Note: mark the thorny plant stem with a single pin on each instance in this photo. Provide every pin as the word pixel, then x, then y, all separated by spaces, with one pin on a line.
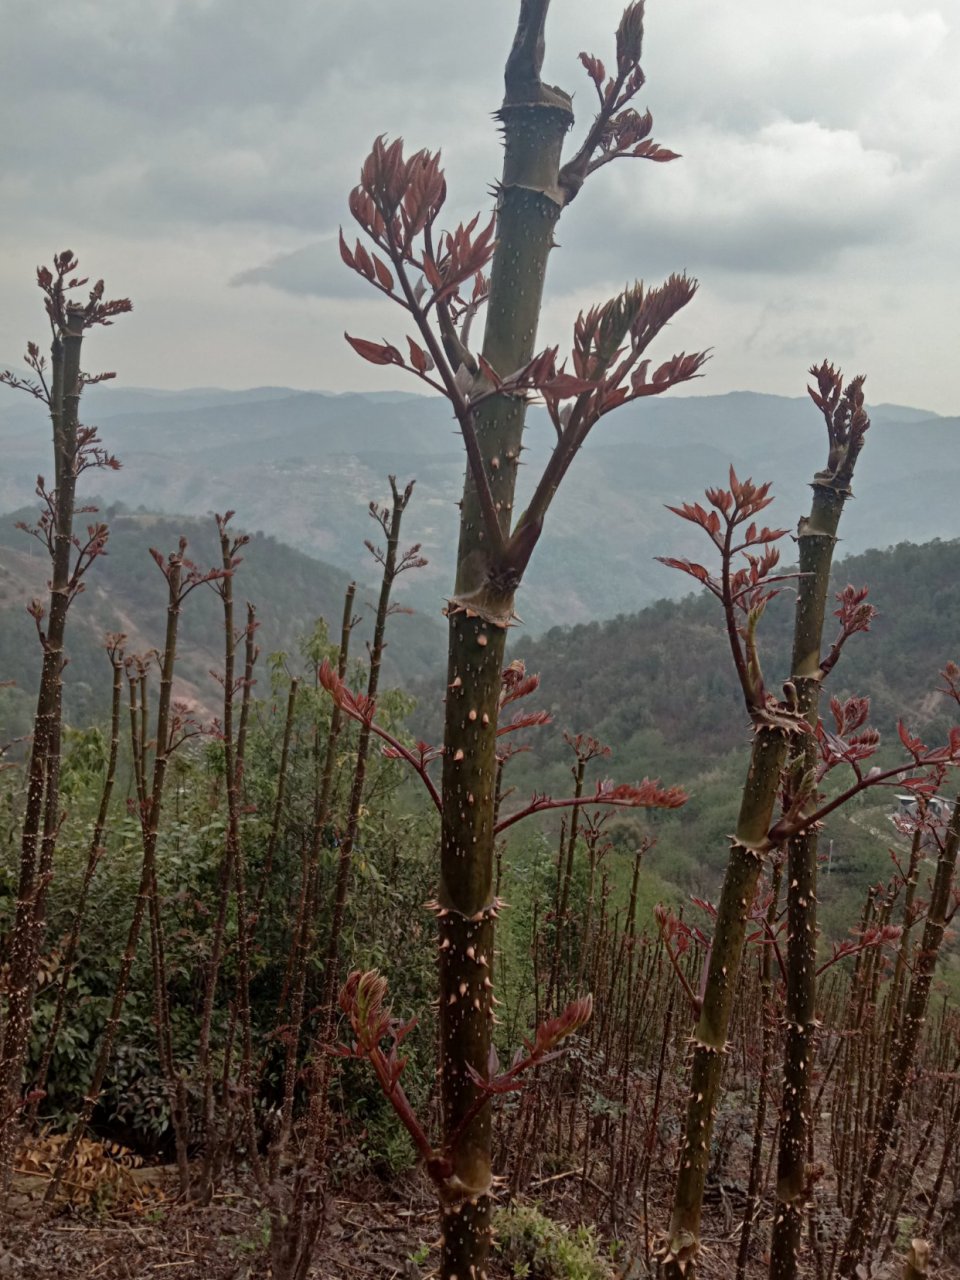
pixel 280 795
pixel 319 1104
pixel 176 1086
pixel 768 1034
pixel 535 121
pixel 565 864
pixel 150 809
pixel 816 540
pixel 94 855
pixel 494 548
pixel 914 1014
pixel 205 1066
pixel 43 766
pixel 303 1218
pixel 895 995
pixel 246 1082
pixel 305 925
pixel 949 1148
pixel 751 844
pixel 391 565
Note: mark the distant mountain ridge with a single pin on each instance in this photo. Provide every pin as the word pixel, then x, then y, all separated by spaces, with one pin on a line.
pixel 302 466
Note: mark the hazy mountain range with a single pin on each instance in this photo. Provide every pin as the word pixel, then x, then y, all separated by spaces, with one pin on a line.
pixel 302 466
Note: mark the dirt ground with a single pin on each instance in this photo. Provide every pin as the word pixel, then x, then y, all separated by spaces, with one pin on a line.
pixel 371 1234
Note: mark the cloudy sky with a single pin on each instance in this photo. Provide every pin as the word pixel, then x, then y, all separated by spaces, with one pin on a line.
pixel 198 153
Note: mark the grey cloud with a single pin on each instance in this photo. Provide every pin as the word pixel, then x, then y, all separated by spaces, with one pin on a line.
pixel 233 122
pixel 316 270
pixel 786 220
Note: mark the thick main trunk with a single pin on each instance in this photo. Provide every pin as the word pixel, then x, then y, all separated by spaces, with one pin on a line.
pixel 535 120
pixel 816 541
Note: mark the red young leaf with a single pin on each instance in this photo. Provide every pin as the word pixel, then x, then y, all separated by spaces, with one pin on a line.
pixel 687 566
pixel 383 273
pixel 375 352
pixel 594 68
pixel 418 357
pixel 364 261
pixel 345 253
pixel 649 150
pixel 525 720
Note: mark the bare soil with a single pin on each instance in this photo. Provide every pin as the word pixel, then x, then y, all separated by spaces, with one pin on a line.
pixel 372 1233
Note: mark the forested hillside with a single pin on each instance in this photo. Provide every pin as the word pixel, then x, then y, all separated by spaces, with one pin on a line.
pixel 126 593
pixel 660 689
pixel 659 684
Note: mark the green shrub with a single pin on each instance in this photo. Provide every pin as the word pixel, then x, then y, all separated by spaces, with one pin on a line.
pixel 536 1248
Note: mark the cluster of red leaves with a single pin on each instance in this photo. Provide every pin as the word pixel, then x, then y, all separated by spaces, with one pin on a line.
pixel 863 940
pixel 397 203
pixel 66 313
pixel 677 936
pixel 846 417
pixel 424 752
pixel 849 743
pixel 355 705
pixel 543 1048
pixel 630 38
pixel 647 794
pixel 191 576
pixel 585 747
pixel 539 376
pixel 91 453
pixel 398 200
pixel 462 257
pixel 951 681
pixel 362 999
pixel 524 720
pixel 748 586
pixel 46 532
pixel 844 744
pixel 855 614
pixel 38 363
pixel 924 757
pixel 88 452
pixel 516 683
pixel 618 132
pixel 608 343
pixel 745 589
pixel 363 709
pixel 550 1033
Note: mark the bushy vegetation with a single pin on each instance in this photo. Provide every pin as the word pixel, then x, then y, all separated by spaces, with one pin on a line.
pixel 535 1248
